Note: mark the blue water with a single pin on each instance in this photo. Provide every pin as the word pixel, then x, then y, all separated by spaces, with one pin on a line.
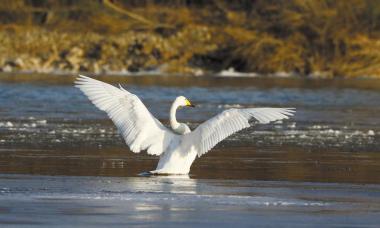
pixel 63 163
pixel 336 117
pixel 182 201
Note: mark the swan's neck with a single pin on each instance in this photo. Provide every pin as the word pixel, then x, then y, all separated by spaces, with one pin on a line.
pixel 173 121
pixel 179 128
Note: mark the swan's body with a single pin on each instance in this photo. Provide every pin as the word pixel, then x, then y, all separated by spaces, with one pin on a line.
pixel 179 146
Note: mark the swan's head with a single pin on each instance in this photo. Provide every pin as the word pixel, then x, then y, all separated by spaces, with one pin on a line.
pixel 182 101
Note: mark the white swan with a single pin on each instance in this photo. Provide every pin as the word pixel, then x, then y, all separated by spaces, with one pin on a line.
pixel 179 146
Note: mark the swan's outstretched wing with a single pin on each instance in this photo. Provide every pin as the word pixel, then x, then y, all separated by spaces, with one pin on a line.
pixel 214 130
pixel 139 128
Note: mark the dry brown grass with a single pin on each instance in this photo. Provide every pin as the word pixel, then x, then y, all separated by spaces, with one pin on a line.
pixel 337 38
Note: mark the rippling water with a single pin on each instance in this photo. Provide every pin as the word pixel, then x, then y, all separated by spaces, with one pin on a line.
pixel 323 164
pixel 173 202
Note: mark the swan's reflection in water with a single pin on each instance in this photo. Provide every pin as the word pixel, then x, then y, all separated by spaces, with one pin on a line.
pixel 169 203
pixel 170 184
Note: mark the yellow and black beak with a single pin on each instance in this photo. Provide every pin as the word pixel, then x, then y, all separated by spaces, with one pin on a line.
pixel 189 104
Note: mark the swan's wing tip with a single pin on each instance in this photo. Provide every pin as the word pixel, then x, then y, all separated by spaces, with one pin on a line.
pixel 81 76
pixel 81 79
pixel 291 111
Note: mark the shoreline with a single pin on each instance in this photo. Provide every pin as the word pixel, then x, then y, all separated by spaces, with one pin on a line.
pixel 210 80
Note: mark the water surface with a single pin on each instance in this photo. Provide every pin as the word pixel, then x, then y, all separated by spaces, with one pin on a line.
pixel 61 157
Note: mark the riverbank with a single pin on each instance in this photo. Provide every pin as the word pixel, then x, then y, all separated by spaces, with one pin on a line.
pixel 307 39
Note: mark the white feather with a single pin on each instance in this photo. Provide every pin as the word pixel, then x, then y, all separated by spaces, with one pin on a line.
pixel 179 146
pixel 214 130
pixel 140 130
